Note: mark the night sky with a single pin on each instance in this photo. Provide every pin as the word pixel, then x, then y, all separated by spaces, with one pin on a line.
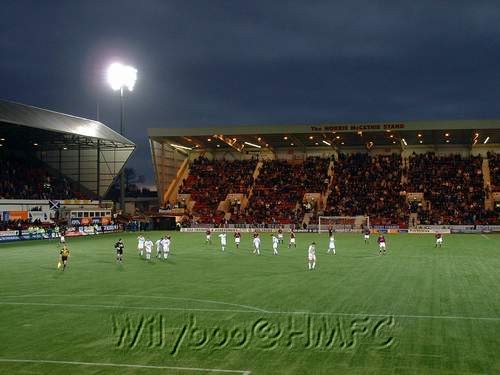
pixel 253 62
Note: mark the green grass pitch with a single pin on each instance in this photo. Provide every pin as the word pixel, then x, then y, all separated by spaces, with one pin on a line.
pixel 416 310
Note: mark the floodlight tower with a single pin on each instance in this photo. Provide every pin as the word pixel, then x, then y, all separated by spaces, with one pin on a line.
pixel 119 77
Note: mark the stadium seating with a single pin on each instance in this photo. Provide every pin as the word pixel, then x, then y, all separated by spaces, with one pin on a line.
pixel 26 178
pixel 452 185
pixel 368 185
pixel 494 161
pixel 280 187
pixel 209 182
pixel 362 184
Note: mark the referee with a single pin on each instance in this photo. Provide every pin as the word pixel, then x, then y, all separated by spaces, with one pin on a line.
pixel 119 250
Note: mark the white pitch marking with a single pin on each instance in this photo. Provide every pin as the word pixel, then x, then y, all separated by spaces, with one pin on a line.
pixel 485 236
pixel 7 360
pixel 494 319
pixel 157 297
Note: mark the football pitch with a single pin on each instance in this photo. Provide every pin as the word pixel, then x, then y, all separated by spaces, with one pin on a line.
pixel 416 310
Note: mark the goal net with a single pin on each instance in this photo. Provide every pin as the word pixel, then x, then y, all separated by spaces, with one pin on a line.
pixel 343 223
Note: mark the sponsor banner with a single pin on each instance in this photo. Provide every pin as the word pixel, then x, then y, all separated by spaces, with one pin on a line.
pixel 11 235
pixel 437 227
pixel 453 230
pixel 18 215
pixel 86 221
pixel 230 230
pixel 90 231
pixel 42 216
pixel 5 233
pixel 488 228
pixel 74 222
pixel 385 227
pixel 428 230
pixel 263 230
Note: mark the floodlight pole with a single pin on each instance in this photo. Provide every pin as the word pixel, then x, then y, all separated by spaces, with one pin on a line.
pixel 122 175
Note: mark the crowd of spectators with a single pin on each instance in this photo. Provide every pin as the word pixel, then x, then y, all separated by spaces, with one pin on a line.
pixel 452 185
pixel 210 181
pixel 494 161
pixel 362 184
pixel 279 189
pixel 22 178
pixel 368 185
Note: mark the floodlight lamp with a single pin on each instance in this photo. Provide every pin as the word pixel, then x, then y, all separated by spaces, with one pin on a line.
pixel 120 76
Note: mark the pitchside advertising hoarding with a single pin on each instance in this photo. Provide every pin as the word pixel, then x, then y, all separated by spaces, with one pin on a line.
pixel 84 221
pixel 13 235
pixel 79 231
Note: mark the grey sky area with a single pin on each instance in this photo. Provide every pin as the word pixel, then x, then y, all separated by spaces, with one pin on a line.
pixel 207 63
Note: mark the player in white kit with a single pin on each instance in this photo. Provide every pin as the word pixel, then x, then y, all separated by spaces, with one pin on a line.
pixel 331 245
pixel 256 244
pixel 159 248
pixel 237 239
pixel 276 240
pixel 140 244
pixel 149 248
pixel 223 239
pixel 208 237
pixel 280 236
pixel 166 247
pixel 439 239
pixel 311 256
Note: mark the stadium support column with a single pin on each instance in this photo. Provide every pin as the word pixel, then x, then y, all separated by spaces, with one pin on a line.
pixel 122 175
pixel 119 77
pixel 98 170
pixel 79 166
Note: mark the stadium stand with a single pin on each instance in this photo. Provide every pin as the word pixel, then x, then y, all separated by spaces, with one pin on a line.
pixel 368 185
pixel 494 163
pixel 452 186
pixel 210 181
pixel 279 190
pixel 384 170
pixel 361 184
pixel 22 177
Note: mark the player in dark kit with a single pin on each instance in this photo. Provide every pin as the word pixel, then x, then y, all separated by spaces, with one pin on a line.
pixel 209 237
pixel 330 231
pixel 119 250
pixel 381 244
pixel 366 234
pixel 292 239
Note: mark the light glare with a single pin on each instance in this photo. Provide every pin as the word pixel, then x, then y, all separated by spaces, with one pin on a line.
pixel 252 144
pixel 120 76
